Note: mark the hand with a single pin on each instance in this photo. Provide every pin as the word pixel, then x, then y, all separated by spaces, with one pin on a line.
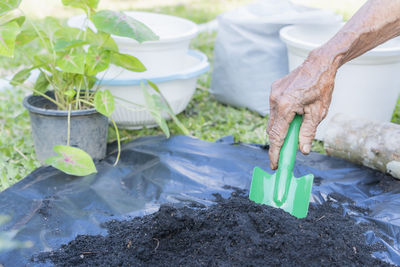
pixel 307 91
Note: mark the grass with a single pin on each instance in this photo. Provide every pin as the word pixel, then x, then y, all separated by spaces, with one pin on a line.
pixel 205 118
pixel 17 157
pixel 396 113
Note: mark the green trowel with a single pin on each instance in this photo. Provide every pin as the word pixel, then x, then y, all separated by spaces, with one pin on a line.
pixel 282 189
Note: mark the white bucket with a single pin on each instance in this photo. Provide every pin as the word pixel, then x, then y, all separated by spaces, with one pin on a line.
pixel 159 57
pixel 176 87
pixel 367 86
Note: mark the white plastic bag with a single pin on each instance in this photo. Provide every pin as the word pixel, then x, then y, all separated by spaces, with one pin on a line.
pixel 248 54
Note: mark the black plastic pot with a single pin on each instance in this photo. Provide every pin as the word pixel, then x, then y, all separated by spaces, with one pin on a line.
pixel 50 127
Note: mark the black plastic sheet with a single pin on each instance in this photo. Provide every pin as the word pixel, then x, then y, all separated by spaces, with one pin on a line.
pixel 50 208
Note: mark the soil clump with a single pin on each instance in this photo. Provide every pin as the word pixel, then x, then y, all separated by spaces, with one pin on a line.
pixel 233 232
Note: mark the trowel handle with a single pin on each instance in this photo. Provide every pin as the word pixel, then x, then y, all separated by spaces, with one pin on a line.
pixel 287 155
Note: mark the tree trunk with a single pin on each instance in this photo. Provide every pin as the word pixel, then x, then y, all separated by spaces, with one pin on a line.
pixel 372 144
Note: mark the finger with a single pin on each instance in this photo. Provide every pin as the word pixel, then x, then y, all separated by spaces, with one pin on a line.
pixel 277 136
pixel 313 115
pixel 271 119
pixel 273 98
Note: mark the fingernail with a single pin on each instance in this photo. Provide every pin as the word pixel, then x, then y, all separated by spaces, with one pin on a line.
pixel 273 166
pixel 306 148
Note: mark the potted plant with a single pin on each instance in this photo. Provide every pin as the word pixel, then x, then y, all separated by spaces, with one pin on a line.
pixel 69 111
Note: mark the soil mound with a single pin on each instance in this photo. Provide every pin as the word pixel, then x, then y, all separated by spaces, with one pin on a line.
pixel 234 232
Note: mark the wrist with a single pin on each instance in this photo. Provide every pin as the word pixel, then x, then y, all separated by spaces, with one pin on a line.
pixel 327 57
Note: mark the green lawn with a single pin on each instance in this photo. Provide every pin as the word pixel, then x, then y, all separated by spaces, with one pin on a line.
pixel 204 117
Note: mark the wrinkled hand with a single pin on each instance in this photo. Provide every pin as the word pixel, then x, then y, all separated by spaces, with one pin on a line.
pixel 307 91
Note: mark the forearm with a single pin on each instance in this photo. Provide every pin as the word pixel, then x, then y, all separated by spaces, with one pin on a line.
pixel 307 90
pixel 375 23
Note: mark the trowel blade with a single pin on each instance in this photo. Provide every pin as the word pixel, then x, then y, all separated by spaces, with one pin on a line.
pixel 298 196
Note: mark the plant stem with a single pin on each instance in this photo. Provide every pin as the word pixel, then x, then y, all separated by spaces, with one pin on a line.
pixel 118 141
pixel 129 102
pixel 43 95
pixel 78 94
pixel 86 102
pixel 49 98
pixel 69 124
pixel 57 100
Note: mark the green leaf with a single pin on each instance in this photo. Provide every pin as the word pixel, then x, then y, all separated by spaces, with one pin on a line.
pixel 50 26
pixel 127 61
pixel 20 77
pixel 97 60
pixel 19 20
pixel 104 102
pixel 164 105
pixel 90 81
pixel 65 45
pixel 70 93
pixel 153 107
pixel 72 160
pixel 84 4
pixel 8 5
pixel 46 41
pixel 47 30
pixel 83 81
pixel 72 62
pixel 24 37
pixel 8 34
pixel 101 39
pixel 68 34
pixel 43 60
pixel 41 83
pixel 118 23
pixel 69 80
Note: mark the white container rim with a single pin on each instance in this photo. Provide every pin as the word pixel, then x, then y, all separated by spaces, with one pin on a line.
pixel 189 33
pixel 202 66
pixel 287 36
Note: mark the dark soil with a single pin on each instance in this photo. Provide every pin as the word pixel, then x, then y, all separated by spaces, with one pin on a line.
pixel 234 232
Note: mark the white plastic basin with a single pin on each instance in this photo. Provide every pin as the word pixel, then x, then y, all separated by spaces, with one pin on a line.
pixel 176 87
pixel 159 57
pixel 367 86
